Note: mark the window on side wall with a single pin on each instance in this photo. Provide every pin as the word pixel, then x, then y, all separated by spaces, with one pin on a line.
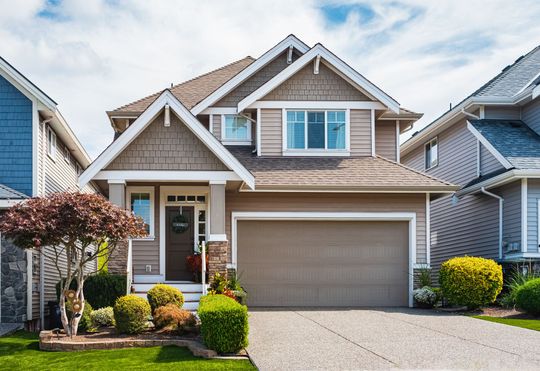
pixel 432 153
pixel 316 130
pixel 236 129
pixel 51 143
pixel 141 203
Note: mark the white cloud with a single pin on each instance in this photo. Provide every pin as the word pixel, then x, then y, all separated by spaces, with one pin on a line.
pixel 94 56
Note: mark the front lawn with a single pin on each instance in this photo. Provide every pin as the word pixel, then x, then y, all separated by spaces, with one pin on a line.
pixel 531 324
pixel 20 351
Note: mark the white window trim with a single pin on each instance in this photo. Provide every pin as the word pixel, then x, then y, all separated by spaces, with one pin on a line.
pixel 51 150
pixel 152 224
pixel 334 216
pixel 425 153
pixel 316 151
pixel 238 142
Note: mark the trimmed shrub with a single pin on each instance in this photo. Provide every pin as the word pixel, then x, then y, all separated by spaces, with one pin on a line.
pixel 131 314
pixel 425 297
pixel 471 281
pixel 85 323
pixel 161 295
pixel 224 323
pixel 528 297
pixel 171 318
pixel 102 317
pixel 101 289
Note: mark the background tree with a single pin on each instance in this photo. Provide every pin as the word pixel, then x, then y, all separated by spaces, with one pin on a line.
pixel 80 227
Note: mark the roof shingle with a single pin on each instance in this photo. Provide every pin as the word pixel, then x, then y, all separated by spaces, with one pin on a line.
pixel 7 193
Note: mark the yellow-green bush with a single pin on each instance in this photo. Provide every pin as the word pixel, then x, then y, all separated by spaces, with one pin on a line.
pixel 471 281
pixel 131 314
pixel 161 295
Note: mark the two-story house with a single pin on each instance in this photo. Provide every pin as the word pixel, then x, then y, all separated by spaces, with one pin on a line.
pixel 39 155
pixel 489 145
pixel 287 167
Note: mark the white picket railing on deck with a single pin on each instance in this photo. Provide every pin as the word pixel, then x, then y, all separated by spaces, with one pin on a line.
pixel 129 271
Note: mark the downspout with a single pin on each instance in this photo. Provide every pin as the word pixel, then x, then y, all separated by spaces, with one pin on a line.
pixel 501 201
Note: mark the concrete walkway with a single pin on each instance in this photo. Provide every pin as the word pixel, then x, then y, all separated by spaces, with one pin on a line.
pixel 306 339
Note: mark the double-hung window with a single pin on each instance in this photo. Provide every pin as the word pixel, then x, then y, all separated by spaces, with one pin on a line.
pixel 51 143
pixel 141 204
pixel 316 130
pixel 236 129
pixel 432 153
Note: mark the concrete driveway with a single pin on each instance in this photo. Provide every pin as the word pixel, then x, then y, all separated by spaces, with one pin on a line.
pixel 305 339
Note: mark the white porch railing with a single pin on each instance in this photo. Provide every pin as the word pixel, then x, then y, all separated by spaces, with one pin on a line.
pixel 129 270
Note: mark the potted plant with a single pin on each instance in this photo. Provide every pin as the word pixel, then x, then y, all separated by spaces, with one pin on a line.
pixel 194 265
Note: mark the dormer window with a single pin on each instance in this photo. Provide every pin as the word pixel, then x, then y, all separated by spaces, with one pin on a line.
pixel 236 130
pixel 432 153
pixel 310 132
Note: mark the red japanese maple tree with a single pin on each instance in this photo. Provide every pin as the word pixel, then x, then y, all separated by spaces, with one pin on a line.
pixel 71 230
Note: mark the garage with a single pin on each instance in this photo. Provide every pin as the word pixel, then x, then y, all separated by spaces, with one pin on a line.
pixel 331 263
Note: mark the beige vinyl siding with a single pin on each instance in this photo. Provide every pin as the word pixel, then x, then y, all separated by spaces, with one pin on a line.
pixel 271 132
pixel 511 211
pixel 457 155
pixel 502 113
pixel 325 86
pixel 385 139
pixel 166 148
pixel 470 227
pixel 236 201
pixel 531 115
pixel 360 132
pixel 147 251
pixel 256 81
pixel 488 162
pixel 216 126
pixel 533 190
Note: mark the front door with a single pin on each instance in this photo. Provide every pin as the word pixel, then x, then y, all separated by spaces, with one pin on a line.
pixel 179 244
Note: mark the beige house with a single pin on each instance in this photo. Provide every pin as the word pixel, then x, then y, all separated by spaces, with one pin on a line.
pixel 287 168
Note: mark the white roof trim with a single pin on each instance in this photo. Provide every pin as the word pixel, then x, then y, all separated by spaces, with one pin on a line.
pixel 145 119
pixel 489 146
pixel 500 180
pixel 338 64
pixel 247 72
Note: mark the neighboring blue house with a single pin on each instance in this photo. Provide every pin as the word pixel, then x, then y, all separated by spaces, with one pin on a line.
pixel 39 155
pixel 489 144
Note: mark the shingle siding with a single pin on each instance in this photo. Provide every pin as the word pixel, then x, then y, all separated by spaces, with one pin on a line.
pixel 15 138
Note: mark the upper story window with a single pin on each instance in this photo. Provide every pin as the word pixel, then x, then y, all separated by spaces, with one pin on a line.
pixel 432 153
pixel 236 129
pixel 141 203
pixel 316 130
pixel 51 143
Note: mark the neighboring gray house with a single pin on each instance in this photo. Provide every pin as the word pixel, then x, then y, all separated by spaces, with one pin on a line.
pixel 489 144
pixel 39 155
pixel 287 166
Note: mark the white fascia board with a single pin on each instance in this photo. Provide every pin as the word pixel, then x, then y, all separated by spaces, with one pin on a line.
pixel 504 162
pixel 145 119
pixel 367 105
pixel 500 180
pixel 247 72
pixel 113 176
pixel 338 64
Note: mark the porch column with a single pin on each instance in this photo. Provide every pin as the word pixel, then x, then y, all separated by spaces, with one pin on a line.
pixel 217 244
pixel 119 258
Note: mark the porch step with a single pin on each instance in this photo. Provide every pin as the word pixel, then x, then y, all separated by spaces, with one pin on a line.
pixel 192 292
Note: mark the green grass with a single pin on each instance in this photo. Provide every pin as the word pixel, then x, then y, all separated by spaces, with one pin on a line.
pixel 20 351
pixel 531 324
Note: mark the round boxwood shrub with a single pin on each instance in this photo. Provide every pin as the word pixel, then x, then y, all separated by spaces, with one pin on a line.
pixel 528 297
pixel 471 281
pixel 161 295
pixel 171 318
pixel 131 314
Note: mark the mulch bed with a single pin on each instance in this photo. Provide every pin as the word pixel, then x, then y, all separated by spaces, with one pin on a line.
pixel 109 333
pixel 504 313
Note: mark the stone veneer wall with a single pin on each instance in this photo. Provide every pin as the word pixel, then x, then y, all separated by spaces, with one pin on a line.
pixel 217 258
pixel 13 283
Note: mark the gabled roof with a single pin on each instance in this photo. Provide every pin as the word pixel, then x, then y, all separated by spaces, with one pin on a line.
pixel 513 139
pixel 337 64
pixel 514 83
pixel 107 156
pixel 375 174
pixel 7 193
pixel 189 92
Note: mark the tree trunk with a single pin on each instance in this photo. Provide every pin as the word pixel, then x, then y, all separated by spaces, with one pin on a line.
pixel 63 312
pixel 80 295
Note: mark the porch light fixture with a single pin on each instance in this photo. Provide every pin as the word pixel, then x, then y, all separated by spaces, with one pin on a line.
pixel 180 223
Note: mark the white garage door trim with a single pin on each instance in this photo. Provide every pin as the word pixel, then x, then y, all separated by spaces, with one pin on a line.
pixel 333 216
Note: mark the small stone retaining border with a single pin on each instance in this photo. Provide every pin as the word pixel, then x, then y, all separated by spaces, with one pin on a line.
pixel 48 341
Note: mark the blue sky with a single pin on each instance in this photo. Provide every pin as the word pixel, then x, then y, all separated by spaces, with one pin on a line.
pixel 93 56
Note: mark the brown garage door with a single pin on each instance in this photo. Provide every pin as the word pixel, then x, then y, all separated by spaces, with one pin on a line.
pixel 324 263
